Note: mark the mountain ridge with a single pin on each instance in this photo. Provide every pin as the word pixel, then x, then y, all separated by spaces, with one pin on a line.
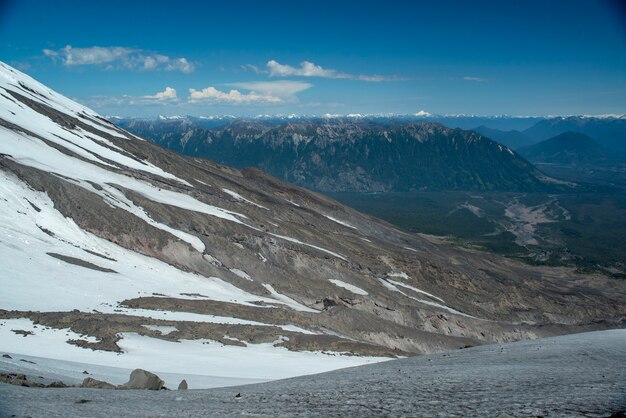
pixel 608 130
pixel 364 156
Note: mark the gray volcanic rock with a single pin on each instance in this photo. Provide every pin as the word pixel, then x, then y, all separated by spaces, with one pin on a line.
pixel 142 379
pixel 183 385
pixel 92 383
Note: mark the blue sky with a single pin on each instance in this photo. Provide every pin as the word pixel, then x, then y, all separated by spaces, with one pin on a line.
pixel 134 58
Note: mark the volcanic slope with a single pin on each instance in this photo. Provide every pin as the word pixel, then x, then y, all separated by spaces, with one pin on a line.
pixel 117 252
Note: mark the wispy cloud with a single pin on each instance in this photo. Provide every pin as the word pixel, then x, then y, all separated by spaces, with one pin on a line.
pixel 310 69
pixel 469 78
pixel 253 68
pixel 117 57
pixel 270 92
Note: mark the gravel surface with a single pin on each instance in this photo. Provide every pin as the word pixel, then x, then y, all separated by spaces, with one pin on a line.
pixel 575 375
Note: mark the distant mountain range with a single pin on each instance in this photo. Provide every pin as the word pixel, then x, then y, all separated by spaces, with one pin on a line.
pixel 351 154
pixel 462 121
pixel 609 132
pixel 569 148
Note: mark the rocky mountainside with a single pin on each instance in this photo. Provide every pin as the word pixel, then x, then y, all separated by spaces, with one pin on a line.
pixel 116 251
pixel 566 148
pixel 347 155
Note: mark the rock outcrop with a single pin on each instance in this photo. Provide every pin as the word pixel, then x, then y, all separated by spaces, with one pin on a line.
pixel 90 382
pixel 142 379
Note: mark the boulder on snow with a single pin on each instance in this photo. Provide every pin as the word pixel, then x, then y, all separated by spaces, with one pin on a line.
pixel 142 379
pixel 183 385
pixel 92 383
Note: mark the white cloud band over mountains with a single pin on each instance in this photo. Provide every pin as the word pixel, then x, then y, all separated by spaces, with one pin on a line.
pixel 117 57
pixel 246 93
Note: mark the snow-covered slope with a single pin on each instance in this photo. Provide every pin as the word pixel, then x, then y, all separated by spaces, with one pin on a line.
pixel 118 253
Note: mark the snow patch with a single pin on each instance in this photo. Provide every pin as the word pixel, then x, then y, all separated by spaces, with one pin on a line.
pixel 340 222
pixel 393 288
pixel 352 288
pixel 240 198
pixel 415 289
pixel 308 245
pixel 287 300
pixel 241 274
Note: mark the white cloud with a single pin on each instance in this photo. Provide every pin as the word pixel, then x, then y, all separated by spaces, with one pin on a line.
pixel 180 64
pixel 211 94
pixel 152 62
pixel 165 95
pixel 117 57
pixel 306 69
pixel 284 89
pixel 94 55
pixel 258 92
pixel 309 69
